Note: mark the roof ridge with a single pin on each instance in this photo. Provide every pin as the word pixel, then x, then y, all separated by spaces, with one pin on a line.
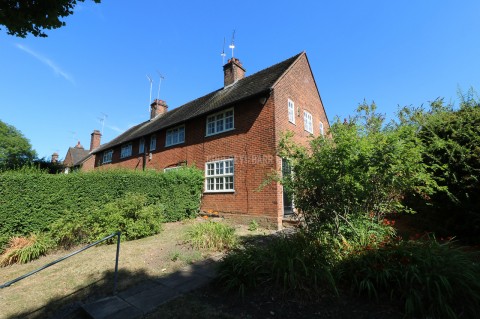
pixel 252 85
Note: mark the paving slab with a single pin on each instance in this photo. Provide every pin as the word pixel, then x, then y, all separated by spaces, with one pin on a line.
pixel 148 300
pixel 112 308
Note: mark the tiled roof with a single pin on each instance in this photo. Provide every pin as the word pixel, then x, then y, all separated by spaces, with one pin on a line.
pixel 247 87
pixel 78 154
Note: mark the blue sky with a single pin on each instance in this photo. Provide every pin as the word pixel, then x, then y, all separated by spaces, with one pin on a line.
pixel 56 89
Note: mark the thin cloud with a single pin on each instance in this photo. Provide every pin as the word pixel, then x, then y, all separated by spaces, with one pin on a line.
pixel 114 128
pixel 56 69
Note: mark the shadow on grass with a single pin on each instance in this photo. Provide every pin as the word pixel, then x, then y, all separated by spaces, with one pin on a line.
pixel 131 284
pixel 139 289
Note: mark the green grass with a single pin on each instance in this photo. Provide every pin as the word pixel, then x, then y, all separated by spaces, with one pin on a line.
pixel 212 236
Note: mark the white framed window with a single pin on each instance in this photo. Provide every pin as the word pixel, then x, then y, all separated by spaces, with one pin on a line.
pixel 107 156
pixel 153 142
pixel 291 111
pixel 141 146
pixel 308 122
pixel 322 132
pixel 220 122
pixel 219 176
pixel 175 135
pixel 126 150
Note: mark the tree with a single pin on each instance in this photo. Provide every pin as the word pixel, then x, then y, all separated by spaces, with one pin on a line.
pixel 15 149
pixel 358 175
pixel 451 138
pixel 33 16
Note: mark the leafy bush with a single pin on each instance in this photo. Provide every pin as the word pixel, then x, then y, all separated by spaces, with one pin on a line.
pixel 131 215
pixel 451 137
pixel 25 249
pixel 212 235
pixel 289 265
pixel 32 201
pixel 436 280
pixel 363 170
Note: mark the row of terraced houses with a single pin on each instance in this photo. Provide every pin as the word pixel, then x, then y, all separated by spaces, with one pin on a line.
pixel 232 134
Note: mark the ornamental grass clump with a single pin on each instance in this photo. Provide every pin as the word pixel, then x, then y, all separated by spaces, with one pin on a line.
pixel 25 249
pixel 431 279
pixel 293 265
pixel 212 236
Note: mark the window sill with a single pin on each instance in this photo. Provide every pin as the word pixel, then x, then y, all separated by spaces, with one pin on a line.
pixel 170 145
pixel 229 191
pixel 219 132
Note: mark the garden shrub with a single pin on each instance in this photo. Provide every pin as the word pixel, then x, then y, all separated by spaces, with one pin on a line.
pixel 432 279
pixel 33 201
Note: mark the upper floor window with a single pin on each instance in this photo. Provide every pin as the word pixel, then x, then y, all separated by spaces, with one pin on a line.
pixel 308 122
pixel 291 111
pixel 141 146
pixel 220 122
pixel 153 143
pixel 107 156
pixel 126 150
pixel 175 136
pixel 219 176
pixel 322 132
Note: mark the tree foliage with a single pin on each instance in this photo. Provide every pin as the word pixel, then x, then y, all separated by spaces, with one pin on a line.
pixel 451 138
pixel 361 172
pixel 33 17
pixel 15 149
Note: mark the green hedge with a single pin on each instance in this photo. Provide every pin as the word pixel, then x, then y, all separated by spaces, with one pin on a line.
pixel 32 201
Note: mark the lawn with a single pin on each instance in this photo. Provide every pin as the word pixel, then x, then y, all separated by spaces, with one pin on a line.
pixel 89 275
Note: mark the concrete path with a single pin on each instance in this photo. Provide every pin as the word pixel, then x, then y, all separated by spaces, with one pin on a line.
pixel 145 297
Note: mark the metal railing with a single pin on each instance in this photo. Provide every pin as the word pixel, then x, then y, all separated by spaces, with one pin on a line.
pixel 9 283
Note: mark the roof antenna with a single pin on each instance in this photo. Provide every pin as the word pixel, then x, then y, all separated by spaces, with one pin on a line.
pixel 150 100
pixel 232 45
pixel 102 120
pixel 223 52
pixel 159 84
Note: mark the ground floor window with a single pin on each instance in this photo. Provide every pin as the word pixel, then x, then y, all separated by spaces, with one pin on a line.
pixel 219 176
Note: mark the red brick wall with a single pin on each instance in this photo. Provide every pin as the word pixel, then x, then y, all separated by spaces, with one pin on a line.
pixel 299 86
pixel 251 144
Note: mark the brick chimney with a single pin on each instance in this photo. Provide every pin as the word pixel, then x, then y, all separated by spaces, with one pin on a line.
pixel 78 145
pixel 54 157
pixel 95 140
pixel 233 71
pixel 158 108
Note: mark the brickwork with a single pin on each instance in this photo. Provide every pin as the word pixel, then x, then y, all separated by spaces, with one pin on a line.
pixel 258 125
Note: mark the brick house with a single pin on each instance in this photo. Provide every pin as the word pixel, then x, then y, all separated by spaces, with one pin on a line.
pixel 79 158
pixel 232 134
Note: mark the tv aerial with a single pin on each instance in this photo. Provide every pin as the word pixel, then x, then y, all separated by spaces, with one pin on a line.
pixel 223 52
pixel 232 44
pixel 159 84
pixel 150 100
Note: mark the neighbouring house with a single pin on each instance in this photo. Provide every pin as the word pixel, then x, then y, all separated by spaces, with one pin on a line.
pixel 78 158
pixel 232 134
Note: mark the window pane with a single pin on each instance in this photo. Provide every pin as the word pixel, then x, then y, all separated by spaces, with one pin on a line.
pixel 229 123
pixel 211 128
pixel 210 169
pixel 219 170
pixel 219 183
pixel 220 125
pixel 210 184
pixel 229 182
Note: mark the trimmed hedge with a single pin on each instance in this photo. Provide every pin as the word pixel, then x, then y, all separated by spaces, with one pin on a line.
pixel 32 201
